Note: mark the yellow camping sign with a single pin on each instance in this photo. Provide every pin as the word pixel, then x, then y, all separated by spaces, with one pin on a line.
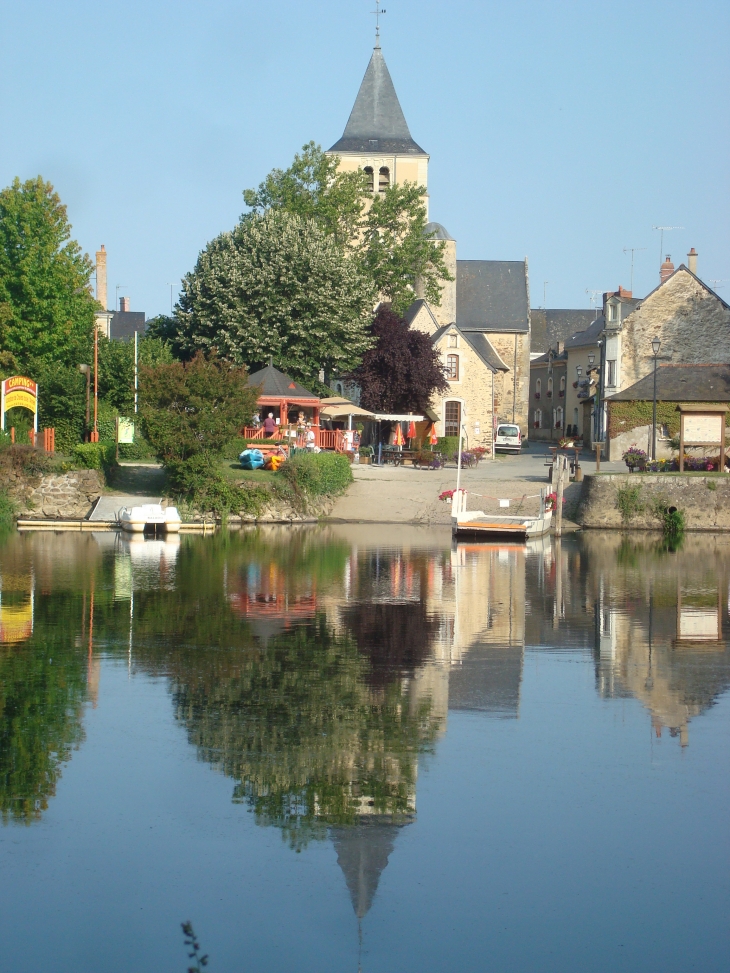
pixel 18 392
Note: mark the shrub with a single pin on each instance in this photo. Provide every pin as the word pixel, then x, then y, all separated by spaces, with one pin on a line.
pixel 7 512
pixel 317 474
pixel 200 482
pixel 25 460
pixel 94 456
pixel 629 502
pixel 448 445
pixel 139 449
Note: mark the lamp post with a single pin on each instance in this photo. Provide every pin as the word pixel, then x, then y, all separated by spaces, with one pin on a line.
pixel 655 346
pixel 86 370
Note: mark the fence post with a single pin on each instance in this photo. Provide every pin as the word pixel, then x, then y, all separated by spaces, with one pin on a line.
pixel 559 496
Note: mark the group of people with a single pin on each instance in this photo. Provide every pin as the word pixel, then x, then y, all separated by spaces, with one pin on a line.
pixel 304 433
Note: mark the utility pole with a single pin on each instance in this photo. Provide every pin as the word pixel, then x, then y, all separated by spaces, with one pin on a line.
pixel 171 287
pixel 632 251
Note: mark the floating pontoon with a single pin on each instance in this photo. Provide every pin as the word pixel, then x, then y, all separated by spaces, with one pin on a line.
pixel 476 523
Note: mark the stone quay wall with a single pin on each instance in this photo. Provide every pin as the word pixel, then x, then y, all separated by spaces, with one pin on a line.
pixel 704 500
pixel 58 496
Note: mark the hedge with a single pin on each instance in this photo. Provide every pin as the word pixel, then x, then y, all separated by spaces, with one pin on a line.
pixel 94 456
pixel 317 474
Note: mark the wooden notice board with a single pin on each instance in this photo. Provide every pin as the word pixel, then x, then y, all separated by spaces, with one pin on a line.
pixel 702 425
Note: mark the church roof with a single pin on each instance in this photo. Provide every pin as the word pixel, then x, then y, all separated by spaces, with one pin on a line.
pixel 492 295
pixel 377 122
pixel 363 851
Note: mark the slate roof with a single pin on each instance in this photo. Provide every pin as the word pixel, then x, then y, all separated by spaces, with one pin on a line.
pixel 588 337
pixel 479 343
pixel 363 850
pixel 680 383
pixel 278 385
pixel 551 325
pixel 438 230
pixel 488 680
pixel 492 295
pixel 123 324
pixel 377 122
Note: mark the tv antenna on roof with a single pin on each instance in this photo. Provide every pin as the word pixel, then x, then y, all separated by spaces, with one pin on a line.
pixel 593 296
pixel 716 281
pixel 378 14
pixel 632 251
pixel 661 238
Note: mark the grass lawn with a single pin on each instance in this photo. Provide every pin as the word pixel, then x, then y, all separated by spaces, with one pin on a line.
pixel 232 471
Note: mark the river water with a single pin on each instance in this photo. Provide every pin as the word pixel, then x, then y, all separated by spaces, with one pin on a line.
pixel 351 747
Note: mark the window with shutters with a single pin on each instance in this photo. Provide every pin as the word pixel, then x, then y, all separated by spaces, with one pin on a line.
pixel 384 180
pixel 370 178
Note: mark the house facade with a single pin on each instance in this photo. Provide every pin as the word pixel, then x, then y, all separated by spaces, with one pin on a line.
pixel 548 389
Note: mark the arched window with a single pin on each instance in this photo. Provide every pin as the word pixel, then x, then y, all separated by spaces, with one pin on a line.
pixel 384 180
pixel 452 368
pixel 537 418
pixel 550 388
pixel 452 418
pixel 562 387
pixel 339 388
pixel 558 417
pixel 538 388
pixel 371 178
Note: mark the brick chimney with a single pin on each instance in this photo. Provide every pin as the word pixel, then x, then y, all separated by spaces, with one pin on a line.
pixel 666 270
pixel 101 277
pixel 124 304
pixel 692 261
pixel 622 292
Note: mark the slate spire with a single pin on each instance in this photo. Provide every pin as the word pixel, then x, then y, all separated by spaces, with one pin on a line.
pixel 377 122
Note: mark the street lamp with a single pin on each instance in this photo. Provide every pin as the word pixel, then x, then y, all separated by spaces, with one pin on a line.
pixel 591 359
pixel 655 346
pixel 86 370
pixel 578 372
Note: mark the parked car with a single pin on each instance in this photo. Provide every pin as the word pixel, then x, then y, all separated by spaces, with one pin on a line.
pixel 508 438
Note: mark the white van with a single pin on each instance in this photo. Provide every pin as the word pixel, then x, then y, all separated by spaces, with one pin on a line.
pixel 508 439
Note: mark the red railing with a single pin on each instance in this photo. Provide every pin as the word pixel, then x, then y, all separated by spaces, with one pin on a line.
pixel 324 438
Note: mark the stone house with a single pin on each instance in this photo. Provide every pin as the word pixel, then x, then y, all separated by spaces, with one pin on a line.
pixel 548 326
pixel 482 325
pixel 690 320
pixel 548 387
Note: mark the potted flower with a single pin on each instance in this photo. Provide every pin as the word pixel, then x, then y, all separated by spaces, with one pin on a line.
pixel 366 454
pixel 537 395
pixel 634 458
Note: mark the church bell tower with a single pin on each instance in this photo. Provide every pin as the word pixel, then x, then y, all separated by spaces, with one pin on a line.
pixel 376 138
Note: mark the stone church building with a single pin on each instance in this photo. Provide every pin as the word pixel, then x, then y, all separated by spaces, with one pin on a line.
pixel 482 325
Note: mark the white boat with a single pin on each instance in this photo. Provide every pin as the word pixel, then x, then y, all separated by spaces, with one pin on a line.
pixel 150 517
pixel 476 523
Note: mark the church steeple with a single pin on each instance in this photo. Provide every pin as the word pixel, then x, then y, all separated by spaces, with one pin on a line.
pixel 377 116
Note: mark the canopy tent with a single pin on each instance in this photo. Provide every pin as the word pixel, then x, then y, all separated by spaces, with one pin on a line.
pixel 281 391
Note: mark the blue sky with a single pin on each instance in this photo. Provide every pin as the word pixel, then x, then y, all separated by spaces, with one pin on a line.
pixel 558 131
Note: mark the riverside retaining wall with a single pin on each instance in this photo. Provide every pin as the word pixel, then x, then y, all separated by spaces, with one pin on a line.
pixel 704 500
pixel 60 496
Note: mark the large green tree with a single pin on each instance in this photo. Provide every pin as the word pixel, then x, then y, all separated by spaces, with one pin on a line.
pixel 278 286
pixel 46 307
pixel 386 231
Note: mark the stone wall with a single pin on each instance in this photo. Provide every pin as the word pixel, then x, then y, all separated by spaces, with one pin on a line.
pixel 693 325
pixel 504 344
pixel 704 500
pixel 61 496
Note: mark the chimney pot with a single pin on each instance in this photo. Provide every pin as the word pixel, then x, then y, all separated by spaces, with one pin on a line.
pixel 666 270
pixel 123 303
pixel 692 261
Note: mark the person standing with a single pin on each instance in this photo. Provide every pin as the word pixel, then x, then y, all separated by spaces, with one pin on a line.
pixel 269 425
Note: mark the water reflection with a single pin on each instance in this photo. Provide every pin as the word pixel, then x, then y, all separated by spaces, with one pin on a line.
pixel 316 667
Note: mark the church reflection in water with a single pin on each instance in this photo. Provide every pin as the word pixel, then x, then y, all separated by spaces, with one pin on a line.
pixel 317 667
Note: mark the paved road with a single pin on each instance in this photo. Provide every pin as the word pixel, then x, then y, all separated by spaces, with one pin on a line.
pixel 406 495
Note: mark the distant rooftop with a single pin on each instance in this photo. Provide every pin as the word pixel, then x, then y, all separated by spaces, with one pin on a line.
pixel 551 325
pixel 491 295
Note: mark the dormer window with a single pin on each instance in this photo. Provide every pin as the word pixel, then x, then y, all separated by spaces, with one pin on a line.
pixel 370 178
pixel 613 312
pixel 384 180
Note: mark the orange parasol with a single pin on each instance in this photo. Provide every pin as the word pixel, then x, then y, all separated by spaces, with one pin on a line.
pixel 399 440
pixel 412 430
pixel 434 438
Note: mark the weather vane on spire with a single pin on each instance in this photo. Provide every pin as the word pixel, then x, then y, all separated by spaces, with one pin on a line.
pixel 378 14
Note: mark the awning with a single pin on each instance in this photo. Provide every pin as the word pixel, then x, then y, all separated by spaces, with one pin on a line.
pixel 387 417
pixel 337 408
